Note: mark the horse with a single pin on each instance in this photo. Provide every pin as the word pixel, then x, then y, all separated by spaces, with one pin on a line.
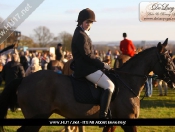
pixel 45 92
pixel 66 69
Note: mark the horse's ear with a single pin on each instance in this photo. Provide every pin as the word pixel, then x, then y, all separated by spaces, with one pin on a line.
pixel 159 47
pixel 165 42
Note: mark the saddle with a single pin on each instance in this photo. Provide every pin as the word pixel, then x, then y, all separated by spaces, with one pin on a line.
pixel 86 92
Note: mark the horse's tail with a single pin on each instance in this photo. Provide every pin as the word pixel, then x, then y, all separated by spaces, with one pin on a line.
pixel 8 97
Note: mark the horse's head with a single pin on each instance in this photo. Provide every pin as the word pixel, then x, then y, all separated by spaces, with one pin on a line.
pixel 165 67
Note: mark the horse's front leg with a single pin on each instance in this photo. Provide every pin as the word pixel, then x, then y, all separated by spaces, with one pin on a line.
pixel 129 128
pixel 2 129
pixel 74 128
pixel 109 129
pixel 81 128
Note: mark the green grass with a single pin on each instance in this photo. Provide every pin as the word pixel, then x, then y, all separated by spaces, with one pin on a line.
pixel 151 107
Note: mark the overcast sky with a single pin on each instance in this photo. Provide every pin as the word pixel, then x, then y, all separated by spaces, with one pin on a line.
pixel 113 18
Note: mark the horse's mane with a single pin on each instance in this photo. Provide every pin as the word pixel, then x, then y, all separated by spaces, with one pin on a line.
pixel 7 48
pixel 138 55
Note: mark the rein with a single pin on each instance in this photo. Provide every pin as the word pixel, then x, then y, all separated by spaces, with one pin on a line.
pixel 121 80
pixel 139 75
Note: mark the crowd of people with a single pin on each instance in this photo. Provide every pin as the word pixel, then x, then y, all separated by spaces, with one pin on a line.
pixel 30 62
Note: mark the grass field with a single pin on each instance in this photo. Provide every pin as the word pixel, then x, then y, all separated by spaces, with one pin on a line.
pixel 151 107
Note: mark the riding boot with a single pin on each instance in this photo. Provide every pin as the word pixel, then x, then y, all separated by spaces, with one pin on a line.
pixel 104 103
pixel 109 115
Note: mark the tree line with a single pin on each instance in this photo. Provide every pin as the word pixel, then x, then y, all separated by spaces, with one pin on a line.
pixel 42 37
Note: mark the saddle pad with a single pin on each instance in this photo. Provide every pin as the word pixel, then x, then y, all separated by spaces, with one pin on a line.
pixel 86 92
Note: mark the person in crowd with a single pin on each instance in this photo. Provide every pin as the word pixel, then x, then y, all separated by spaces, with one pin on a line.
pixel 1 68
pixel 27 55
pixel 59 52
pixel 39 57
pixel 9 58
pixel 162 85
pixel 44 61
pixel 65 58
pixel 34 67
pixel 3 59
pixel 52 56
pixel 23 60
pixel 70 56
pixel 107 60
pixel 86 63
pixel 116 59
pixel 127 47
pixel 149 85
pixel 58 70
pixel 97 55
pixel 34 57
pixel 109 54
pixel 13 70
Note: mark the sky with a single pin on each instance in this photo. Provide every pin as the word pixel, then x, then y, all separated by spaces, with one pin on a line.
pixel 113 18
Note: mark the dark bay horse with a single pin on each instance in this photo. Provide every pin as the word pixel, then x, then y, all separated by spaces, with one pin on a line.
pixel 45 92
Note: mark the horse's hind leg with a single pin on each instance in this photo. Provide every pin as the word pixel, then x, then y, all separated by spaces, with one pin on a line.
pixel 2 129
pixel 74 128
pixel 109 129
pixel 29 129
pixel 33 128
pixel 129 128
pixel 21 129
pixel 81 128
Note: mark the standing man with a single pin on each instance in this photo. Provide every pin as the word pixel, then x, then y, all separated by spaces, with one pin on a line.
pixel 44 61
pixel 59 52
pixel 162 85
pixel 149 85
pixel 127 47
pixel 13 70
pixel 23 60
pixel 28 58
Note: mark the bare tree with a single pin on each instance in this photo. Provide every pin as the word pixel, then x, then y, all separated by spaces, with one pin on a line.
pixel 66 39
pixel 43 36
pixel 27 41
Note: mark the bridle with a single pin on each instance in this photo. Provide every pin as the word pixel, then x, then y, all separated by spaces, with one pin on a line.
pixel 167 65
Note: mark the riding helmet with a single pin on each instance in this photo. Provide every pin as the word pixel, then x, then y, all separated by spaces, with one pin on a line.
pixel 86 14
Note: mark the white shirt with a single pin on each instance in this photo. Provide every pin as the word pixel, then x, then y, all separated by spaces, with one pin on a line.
pixel 87 32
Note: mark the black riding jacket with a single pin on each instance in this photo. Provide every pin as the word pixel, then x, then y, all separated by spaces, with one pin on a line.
pixel 83 54
pixel 12 70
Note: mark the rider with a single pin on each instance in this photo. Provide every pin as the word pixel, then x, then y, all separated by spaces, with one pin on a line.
pixel 86 63
pixel 127 47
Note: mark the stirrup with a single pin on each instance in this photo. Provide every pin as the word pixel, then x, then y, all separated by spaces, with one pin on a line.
pixel 109 115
